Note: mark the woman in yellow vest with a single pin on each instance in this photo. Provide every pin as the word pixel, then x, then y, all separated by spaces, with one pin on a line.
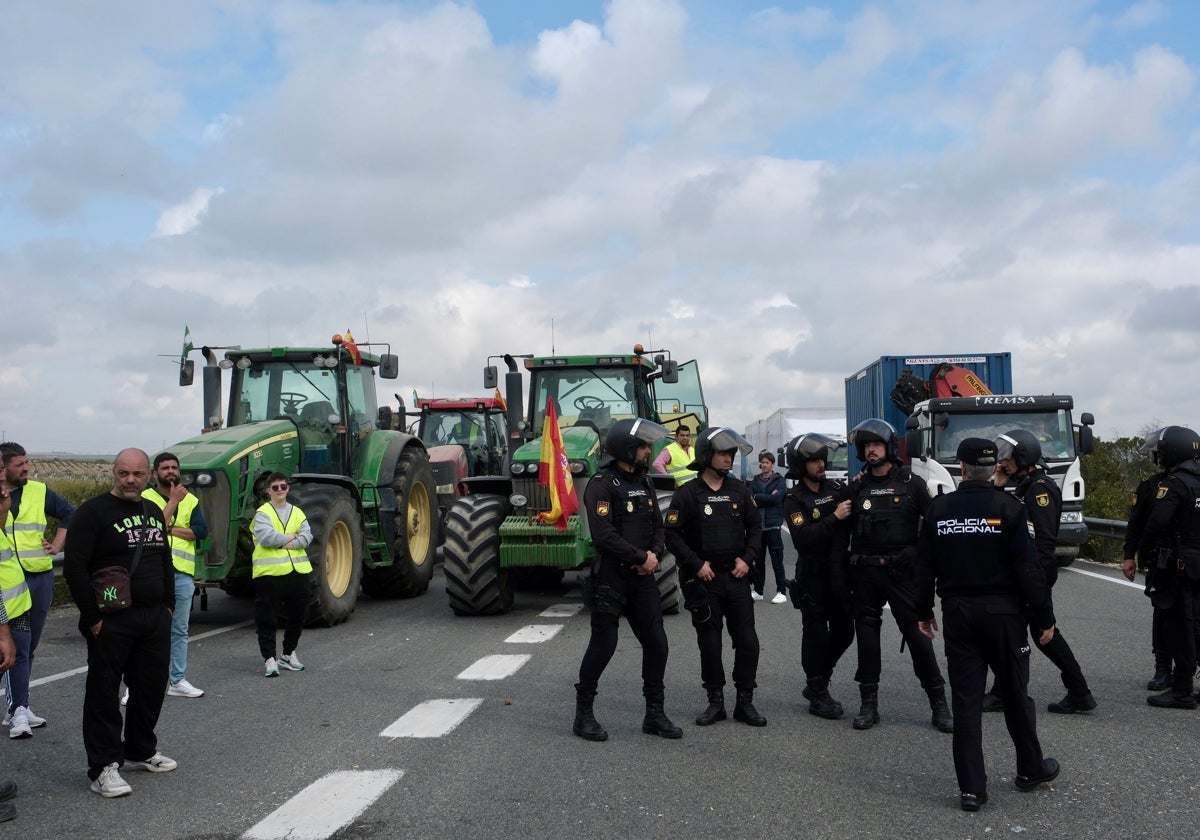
pixel 281 570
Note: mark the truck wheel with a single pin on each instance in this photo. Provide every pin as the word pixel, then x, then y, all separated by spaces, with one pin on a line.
pixel 667 578
pixel 416 523
pixel 335 552
pixel 471 557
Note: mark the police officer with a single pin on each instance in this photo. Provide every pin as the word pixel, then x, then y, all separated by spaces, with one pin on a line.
pixel 975 545
pixel 714 531
pixel 879 539
pixel 1173 526
pixel 1020 460
pixel 627 531
pixel 811 509
pixel 1140 556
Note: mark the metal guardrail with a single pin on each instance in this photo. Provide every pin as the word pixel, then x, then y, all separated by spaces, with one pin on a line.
pixel 1112 529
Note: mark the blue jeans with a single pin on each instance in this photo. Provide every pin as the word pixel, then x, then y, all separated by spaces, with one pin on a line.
pixel 16 681
pixel 185 586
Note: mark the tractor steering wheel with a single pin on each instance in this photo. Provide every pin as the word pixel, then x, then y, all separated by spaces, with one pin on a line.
pixel 588 401
pixel 292 401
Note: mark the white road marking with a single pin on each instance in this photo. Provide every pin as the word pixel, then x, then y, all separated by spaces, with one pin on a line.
pixel 326 806
pixel 1108 578
pixel 561 611
pixel 495 667
pixel 432 719
pixel 534 633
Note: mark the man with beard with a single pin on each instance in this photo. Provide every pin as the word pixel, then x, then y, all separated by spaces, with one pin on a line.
pixel 627 532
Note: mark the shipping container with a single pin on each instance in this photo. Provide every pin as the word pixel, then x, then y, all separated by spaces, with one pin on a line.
pixel 869 391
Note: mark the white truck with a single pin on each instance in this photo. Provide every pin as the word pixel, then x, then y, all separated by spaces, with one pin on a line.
pixel 773 433
pixel 936 426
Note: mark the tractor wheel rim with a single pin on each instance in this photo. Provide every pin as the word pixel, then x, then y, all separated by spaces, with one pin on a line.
pixel 419 527
pixel 339 559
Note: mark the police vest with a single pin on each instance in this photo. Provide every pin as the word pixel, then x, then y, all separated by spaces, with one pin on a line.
pixel 29 528
pixel 183 550
pixel 721 527
pixel 677 466
pixel 14 591
pixel 808 510
pixel 633 501
pixel 1185 527
pixel 280 561
pixel 885 521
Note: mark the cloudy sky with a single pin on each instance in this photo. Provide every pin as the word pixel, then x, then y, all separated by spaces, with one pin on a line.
pixel 783 191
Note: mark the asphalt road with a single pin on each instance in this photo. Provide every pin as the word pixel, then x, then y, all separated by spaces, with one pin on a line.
pixel 511 768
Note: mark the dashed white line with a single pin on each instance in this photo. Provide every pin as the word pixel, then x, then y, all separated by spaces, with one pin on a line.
pixel 326 806
pixel 495 667
pixel 561 611
pixel 432 719
pixel 534 633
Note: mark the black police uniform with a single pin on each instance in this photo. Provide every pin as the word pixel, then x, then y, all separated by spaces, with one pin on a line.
pixel 625 523
pixel 882 532
pixel 826 618
pixel 1173 525
pixel 1043 506
pixel 1137 546
pixel 718 526
pixel 976 545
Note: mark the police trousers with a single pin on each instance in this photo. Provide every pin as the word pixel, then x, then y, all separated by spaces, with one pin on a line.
pixel 981 633
pixel 875 586
pixel 728 600
pixel 642 608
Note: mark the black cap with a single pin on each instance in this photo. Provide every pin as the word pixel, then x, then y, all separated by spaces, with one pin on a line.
pixel 979 452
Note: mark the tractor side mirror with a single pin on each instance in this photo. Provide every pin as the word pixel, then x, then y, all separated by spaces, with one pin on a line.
pixel 491 378
pixel 187 372
pixel 670 371
pixel 384 420
pixel 389 366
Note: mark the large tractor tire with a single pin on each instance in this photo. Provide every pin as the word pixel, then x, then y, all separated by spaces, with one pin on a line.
pixel 667 575
pixel 416 520
pixel 471 557
pixel 335 552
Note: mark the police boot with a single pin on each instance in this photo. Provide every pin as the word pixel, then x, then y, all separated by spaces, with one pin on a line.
pixel 745 711
pixel 941 718
pixel 820 703
pixel 656 721
pixel 868 713
pixel 715 710
pixel 1162 673
pixel 992 701
pixel 1179 696
pixel 586 726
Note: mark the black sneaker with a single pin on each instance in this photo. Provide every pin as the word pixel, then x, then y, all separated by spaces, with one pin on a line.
pixel 1049 773
pixel 1071 705
pixel 972 801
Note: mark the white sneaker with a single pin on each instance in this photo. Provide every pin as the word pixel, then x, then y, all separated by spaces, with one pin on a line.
pixel 157 763
pixel 19 726
pixel 183 688
pixel 756 595
pixel 290 662
pixel 125 696
pixel 780 598
pixel 270 667
pixel 35 722
pixel 109 783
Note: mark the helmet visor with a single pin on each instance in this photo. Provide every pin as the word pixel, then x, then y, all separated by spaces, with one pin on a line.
pixel 1005 447
pixel 726 439
pixel 647 431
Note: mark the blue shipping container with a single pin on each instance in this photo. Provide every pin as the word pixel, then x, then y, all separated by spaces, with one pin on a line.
pixel 868 392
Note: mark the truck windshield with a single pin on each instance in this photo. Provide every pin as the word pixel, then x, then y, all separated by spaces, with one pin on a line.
pixel 1052 428
pixel 586 396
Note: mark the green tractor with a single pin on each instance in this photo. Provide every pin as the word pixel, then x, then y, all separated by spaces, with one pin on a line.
pixel 492 534
pixel 311 414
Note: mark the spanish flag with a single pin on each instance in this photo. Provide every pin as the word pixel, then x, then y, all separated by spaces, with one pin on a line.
pixel 500 399
pixel 555 473
pixel 352 349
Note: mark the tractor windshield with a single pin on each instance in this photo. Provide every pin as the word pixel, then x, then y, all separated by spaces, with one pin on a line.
pixel 468 428
pixel 1052 428
pixel 301 391
pixel 588 396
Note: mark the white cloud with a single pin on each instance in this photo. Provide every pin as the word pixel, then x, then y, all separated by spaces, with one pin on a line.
pixel 183 218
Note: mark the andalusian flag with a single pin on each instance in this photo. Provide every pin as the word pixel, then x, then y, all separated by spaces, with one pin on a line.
pixel 555 473
pixel 187 344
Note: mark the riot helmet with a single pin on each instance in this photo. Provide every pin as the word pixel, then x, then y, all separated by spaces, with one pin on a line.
pixel 719 439
pixel 624 436
pixel 874 431
pixel 1176 445
pixel 1149 446
pixel 808 447
pixel 1022 446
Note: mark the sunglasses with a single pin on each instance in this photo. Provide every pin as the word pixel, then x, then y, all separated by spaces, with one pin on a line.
pixel 279 487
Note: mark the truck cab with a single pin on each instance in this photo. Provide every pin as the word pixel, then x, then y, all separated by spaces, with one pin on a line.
pixel 936 427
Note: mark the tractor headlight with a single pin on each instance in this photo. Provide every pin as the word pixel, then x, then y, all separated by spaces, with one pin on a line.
pixel 518 469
